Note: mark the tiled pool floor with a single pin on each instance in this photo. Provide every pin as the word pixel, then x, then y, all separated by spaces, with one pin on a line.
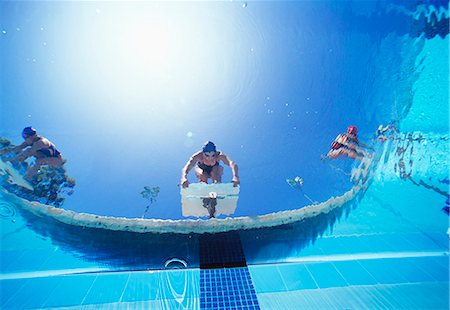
pixel 417 281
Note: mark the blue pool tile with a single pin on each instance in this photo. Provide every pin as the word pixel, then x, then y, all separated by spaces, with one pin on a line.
pixel 70 291
pixel 326 275
pixel 9 258
pixel 24 263
pixel 436 267
pixel 312 250
pixel 411 271
pixel 33 293
pixel 176 283
pixel 331 245
pixel 340 299
pixel 377 243
pixel 383 271
pixel 421 241
pixel 107 288
pixel 357 245
pixel 399 243
pixel 141 286
pixel 21 238
pixel 441 239
pixel 434 296
pixel 410 296
pixel 428 265
pixel 266 278
pixel 8 288
pixel 403 296
pixel 180 303
pixel 354 273
pixel 443 261
pixel 296 277
pixel 62 260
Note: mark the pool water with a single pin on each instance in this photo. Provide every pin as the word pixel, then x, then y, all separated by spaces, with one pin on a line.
pixel 273 84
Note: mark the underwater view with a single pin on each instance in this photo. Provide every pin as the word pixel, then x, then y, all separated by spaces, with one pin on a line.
pixel 224 155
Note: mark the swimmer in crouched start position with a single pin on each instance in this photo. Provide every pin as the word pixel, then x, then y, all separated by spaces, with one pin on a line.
pixel 36 146
pixel 206 163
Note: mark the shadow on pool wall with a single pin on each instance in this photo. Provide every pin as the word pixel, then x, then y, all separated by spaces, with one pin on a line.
pixel 123 250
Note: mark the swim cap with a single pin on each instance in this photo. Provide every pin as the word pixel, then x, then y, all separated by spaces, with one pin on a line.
pixel 209 147
pixel 28 131
pixel 352 130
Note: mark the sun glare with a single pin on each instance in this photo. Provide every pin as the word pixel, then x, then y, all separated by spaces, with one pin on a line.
pixel 131 64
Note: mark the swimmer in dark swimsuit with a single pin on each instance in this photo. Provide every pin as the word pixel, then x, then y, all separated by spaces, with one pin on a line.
pixel 347 144
pixel 42 149
pixel 206 163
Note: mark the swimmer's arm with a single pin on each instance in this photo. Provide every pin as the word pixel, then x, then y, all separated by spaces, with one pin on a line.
pixel 323 157
pixel 364 145
pixel 355 143
pixel 31 151
pixel 234 167
pixel 15 149
pixel 189 165
pixel 341 139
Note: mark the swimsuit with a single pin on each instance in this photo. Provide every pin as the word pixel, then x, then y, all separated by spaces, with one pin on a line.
pixel 50 151
pixel 336 145
pixel 207 168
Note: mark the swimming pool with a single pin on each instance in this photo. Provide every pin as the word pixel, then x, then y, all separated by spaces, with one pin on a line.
pixel 278 81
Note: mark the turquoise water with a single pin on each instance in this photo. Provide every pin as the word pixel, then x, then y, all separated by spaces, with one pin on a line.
pixel 316 68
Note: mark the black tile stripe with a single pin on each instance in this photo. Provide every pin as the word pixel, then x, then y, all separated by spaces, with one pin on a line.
pixel 222 250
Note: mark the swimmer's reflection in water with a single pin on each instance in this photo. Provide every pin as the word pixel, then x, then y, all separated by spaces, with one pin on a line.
pixel 46 174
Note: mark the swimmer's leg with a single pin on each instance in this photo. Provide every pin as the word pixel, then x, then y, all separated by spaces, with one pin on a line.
pixel 47 161
pixel 216 174
pixel 353 154
pixel 32 171
pixel 367 163
pixel 333 154
pixel 202 176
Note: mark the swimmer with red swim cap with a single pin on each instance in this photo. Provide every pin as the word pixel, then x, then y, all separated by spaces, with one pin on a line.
pixel 347 144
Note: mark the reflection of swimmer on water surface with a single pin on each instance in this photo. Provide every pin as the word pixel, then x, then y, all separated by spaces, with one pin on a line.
pixel 50 184
pixel 384 133
pixel 348 145
pixel 36 146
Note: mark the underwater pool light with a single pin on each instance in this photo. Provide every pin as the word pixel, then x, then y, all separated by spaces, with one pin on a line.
pixel 175 263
